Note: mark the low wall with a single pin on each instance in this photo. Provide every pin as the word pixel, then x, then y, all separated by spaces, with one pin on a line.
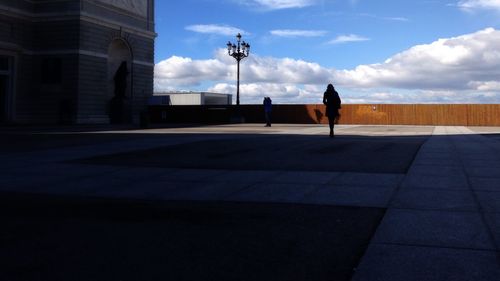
pixel 376 114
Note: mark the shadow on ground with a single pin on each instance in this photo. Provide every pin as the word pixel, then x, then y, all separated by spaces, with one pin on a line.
pixel 51 238
pixel 278 152
pixel 60 238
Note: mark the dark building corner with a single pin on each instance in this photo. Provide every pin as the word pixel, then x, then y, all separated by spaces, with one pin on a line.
pixel 60 61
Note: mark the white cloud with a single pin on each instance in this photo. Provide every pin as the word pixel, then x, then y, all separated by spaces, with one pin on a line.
pixel 348 38
pixel 215 29
pixel 400 19
pixel 485 85
pixel 179 71
pixel 459 69
pixel 479 4
pixel 396 18
pixel 280 93
pixel 185 72
pixel 444 64
pixel 254 91
pixel 420 97
pixel 298 33
pixel 278 4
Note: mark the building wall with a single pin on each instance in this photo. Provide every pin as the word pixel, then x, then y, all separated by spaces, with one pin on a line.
pixel 186 99
pixel 39 102
pixel 32 41
pixel 217 99
pixel 97 71
pixel 143 90
pixel 125 12
pixel 93 98
pixel 104 25
pixel 195 98
pixel 77 33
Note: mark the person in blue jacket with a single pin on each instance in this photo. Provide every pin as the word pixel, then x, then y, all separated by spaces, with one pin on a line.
pixel 268 108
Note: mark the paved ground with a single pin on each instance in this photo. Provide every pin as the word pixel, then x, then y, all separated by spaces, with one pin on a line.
pixel 244 202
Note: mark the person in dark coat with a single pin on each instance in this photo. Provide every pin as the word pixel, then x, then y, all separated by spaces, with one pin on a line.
pixel 333 103
pixel 268 108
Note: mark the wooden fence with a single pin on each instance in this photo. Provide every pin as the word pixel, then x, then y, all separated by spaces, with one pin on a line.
pixel 376 114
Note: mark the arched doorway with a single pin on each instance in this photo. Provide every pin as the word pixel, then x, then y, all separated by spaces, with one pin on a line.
pixel 120 81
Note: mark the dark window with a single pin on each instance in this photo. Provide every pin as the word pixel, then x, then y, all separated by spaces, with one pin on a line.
pixel 4 63
pixel 51 71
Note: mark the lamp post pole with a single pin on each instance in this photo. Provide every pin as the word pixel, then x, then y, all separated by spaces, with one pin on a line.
pixel 239 51
pixel 238 82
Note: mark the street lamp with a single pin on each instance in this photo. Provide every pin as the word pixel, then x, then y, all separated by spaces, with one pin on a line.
pixel 239 52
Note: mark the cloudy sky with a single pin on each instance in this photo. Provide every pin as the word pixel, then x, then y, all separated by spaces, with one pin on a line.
pixel 373 51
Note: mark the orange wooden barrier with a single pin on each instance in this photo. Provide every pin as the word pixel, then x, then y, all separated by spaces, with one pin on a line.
pixel 371 114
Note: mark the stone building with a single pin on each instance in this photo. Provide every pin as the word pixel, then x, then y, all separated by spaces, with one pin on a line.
pixel 190 98
pixel 59 60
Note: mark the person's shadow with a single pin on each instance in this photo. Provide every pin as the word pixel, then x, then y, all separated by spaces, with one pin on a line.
pixel 319 115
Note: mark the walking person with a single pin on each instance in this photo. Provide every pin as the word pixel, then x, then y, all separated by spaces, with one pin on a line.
pixel 333 103
pixel 268 108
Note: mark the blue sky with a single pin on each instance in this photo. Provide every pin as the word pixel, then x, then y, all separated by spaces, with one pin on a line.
pixel 374 51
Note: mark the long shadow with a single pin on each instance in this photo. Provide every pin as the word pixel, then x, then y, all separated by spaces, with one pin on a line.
pixel 133 240
pixel 277 152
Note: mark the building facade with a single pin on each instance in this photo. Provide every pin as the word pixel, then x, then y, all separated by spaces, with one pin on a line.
pixel 75 61
pixel 190 98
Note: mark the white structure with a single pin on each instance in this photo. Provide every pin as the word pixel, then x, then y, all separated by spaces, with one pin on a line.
pixel 190 98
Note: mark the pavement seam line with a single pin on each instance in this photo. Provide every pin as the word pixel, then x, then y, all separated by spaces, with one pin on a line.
pixel 490 232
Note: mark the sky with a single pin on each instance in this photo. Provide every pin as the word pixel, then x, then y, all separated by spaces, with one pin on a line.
pixel 372 51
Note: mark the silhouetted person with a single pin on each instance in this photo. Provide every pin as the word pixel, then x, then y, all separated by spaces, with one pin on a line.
pixel 117 103
pixel 332 101
pixel 268 108
pixel 121 80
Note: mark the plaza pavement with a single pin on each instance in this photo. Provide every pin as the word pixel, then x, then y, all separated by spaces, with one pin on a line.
pixel 438 187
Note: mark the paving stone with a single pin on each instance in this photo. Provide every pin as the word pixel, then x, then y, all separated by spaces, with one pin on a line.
pixel 436 170
pixel 120 176
pixel 436 182
pixel 471 156
pixel 493 172
pixel 174 191
pixel 273 192
pixel 246 176
pixel 411 263
pixel 368 179
pixel 42 177
pixel 363 196
pixel 141 173
pixel 190 175
pixel 490 201
pixel 482 163
pixel 443 156
pixel 493 221
pixel 440 162
pixel 89 186
pixel 435 199
pixel 485 184
pixel 434 228
pixel 202 192
pixel 305 177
